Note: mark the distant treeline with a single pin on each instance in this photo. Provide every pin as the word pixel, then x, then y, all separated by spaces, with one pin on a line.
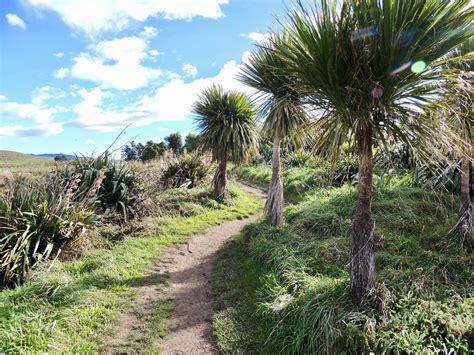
pixel 151 150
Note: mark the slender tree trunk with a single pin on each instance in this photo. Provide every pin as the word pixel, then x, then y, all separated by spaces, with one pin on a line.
pixel 274 204
pixel 363 262
pixel 221 191
pixel 466 226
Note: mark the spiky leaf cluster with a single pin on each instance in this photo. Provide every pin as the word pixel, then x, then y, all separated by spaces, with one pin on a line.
pixel 226 120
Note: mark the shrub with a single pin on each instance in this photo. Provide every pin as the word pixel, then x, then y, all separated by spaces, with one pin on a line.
pixel 187 170
pixel 299 159
pixel 447 179
pixel 36 219
pixel 346 169
pixel 116 185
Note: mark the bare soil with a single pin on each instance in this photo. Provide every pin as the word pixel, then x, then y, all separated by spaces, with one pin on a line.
pixel 187 271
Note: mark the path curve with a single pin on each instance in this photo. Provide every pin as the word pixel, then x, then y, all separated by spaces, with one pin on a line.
pixel 189 268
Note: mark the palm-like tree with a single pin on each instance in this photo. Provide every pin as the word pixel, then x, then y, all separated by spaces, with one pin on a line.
pixel 227 123
pixel 371 66
pixel 281 108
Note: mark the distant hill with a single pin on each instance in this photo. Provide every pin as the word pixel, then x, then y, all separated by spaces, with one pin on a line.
pixel 53 155
pixel 25 163
pixel 10 155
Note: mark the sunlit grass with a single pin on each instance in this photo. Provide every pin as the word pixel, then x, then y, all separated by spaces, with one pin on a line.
pixel 73 306
pixel 298 292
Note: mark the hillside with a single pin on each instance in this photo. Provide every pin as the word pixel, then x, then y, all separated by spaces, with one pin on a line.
pixel 10 155
pixel 19 162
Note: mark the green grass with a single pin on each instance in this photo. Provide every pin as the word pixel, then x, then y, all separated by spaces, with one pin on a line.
pixel 73 307
pixel 301 293
pixel 235 283
pixel 297 181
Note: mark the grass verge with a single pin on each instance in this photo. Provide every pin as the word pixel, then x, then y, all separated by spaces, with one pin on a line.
pixel 235 283
pixel 72 306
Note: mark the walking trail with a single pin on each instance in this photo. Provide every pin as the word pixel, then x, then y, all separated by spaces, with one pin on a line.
pixel 189 286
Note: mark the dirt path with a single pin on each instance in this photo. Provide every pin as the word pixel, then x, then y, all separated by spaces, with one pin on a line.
pixel 189 271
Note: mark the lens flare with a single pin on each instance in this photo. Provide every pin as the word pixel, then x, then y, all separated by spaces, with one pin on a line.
pixel 418 66
pixel 364 33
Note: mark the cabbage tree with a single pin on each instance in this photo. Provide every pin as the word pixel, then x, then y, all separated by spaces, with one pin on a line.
pixel 371 67
pixel 282 110
pixel 226 120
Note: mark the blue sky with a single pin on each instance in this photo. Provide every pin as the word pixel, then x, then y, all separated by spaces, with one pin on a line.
pixel 73 73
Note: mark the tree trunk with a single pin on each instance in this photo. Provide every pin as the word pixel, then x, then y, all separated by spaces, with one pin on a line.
pixel 274 204
pixel 221 191
pixel 363 262
pixel 466 226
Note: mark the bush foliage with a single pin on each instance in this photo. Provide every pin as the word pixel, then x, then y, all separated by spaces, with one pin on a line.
pixel 187 170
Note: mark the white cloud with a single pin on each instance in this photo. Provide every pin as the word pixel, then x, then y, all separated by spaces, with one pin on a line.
pixel 15 20
pixel 37 113
pixel 94 17
pixel 61 73
pixel 58 54
pixel 3 98
pixel 171 102
pixel 45 129
pixel 91 114
pixel 46 93
pixel 28 111
pixel 163 129
pixel 190 70
pixel 114 64
pixel 149 32
pixel 257 37
pixel 91 142
pixel 154 53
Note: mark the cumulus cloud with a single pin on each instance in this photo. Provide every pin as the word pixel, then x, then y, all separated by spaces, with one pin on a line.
pixel 46 93
pixel 190 70
pixel 149 32
pixel 154 53
pixel 37 114
pixel 61 73
pixel 114 64
pixel 45 129
pixel 27 111
pixel 94 17
pixel 257 37
pixel 58 54
pixel 171 102
pixel 15 20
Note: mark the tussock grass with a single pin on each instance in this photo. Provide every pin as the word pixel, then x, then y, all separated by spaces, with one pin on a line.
pixel 73 306
pixel 425 279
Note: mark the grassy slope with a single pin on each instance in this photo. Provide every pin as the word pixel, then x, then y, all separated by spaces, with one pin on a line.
pixel 300 295
pixel 72 308
pixel 19 162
